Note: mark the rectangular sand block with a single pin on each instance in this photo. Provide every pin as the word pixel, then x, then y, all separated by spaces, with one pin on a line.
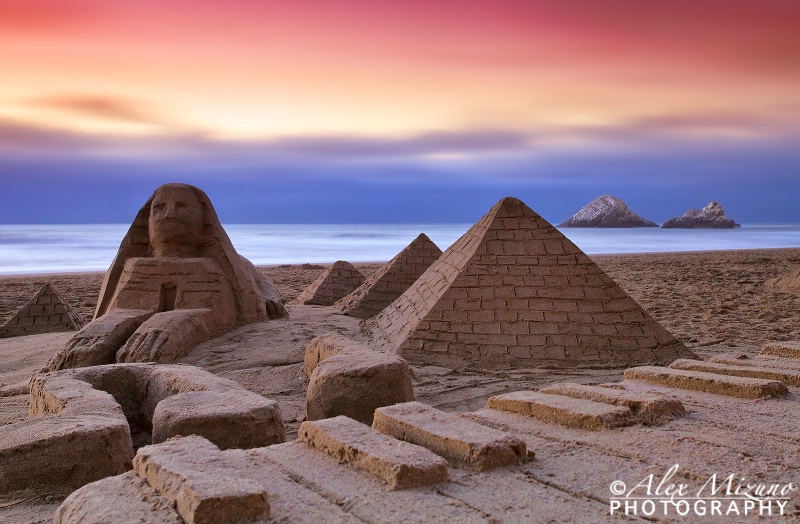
pixel 782 349
pixel 400 464
pixel 647 408
pixel 189 472
pixel 708 382
pixel 567 411
pixel 786 376
pixel 760 361
pixel 460 440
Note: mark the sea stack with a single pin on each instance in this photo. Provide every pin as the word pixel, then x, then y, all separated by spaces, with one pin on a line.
pixel 711 216
pixel 606 211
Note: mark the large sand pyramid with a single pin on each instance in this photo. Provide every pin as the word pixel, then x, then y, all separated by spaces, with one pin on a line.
pixel 46 312
pixel 513 292
pixel 391 280
pixel 341 279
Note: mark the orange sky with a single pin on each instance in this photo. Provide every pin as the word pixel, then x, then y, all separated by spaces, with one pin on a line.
pixel 242 69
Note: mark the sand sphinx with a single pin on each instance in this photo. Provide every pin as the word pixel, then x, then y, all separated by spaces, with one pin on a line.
pixel 176 281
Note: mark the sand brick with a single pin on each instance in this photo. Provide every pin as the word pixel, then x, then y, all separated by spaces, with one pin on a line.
pixel 782 349
pixel 203 490
pixel 400 464
pixel 458 439
pixel 789 377
pixel 123 498
pixel 258 420
pixel 646 408
pixel 762 361
pixel 741 387
pixel 567 411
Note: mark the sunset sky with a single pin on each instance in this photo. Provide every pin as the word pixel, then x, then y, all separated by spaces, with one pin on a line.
pixel 399 111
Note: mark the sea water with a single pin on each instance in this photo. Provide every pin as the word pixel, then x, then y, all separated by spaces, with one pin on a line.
pixel 66 248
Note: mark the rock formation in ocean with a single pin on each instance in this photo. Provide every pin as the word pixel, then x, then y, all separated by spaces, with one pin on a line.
pixel 711 216
pixel 606 211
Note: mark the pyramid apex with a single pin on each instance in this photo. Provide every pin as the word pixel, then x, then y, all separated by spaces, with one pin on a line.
pixel 510 201
pixel 339 264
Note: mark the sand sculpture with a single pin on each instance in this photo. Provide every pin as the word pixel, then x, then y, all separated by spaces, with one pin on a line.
pixel 391 280
pixel 46 312
pixel 337 282
pixel 176 281
pixel 86 423
pixel 513 292
pixel 461 466
pixel 348 378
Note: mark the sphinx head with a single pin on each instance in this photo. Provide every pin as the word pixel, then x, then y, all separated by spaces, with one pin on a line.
pixel 176 222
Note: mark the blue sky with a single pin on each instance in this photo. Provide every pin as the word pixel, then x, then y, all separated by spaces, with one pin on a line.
pixel 405 112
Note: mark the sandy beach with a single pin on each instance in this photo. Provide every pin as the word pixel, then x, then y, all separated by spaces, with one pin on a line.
pixel 713 299
pixel 714 302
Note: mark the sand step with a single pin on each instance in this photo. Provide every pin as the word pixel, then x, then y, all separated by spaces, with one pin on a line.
pixel 400 464
pixel 782 349
pixel 185 472
pixel 741 387
pixel 565 410
pixel 760 361
pixel 646 408
pixel 458 439
pixel 786 376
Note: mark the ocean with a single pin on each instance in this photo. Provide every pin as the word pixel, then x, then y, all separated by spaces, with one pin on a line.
pixel 26 249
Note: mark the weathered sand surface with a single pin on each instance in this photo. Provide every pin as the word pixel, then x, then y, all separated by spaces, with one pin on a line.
pixel 714 302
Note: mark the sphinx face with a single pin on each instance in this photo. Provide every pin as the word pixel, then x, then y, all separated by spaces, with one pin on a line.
pixel 176 222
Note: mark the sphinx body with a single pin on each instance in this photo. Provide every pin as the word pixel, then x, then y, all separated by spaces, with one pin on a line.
pixel 176 282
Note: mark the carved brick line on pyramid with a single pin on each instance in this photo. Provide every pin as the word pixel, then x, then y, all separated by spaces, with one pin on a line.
pixel 46 312
pixel 514 292
pixel 337 282
pixel 391 280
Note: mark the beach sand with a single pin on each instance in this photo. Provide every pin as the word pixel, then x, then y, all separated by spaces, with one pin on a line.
pixel 714 302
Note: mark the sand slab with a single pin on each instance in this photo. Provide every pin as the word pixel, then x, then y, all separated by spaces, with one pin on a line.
pixel 399 464
pixel 782 349
pixel 189 473
pixel 648 409
pixel 751 388
pixel 455 438
pixel 791 378
pixel 761 361
pixel 569 411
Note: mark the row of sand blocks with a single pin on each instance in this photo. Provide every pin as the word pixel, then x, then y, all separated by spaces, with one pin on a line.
pixel 616 405
pixel 348 378
pixel 720 378
pixel 410 445
pixel 86 423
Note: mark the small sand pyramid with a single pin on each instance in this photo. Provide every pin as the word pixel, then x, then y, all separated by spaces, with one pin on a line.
pixel 390 281
pixel 513 292
pixel 46 312
pixel 335 283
